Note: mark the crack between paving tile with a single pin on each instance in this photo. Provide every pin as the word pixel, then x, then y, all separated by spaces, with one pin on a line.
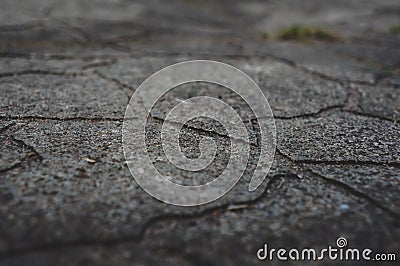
pixel 337 162
pixel 22 144
pixel 140 236
pixel 40 72
pixel 58 73
pixel 320 75
pixel 312 114
pixel 12 167
pixel 211 133
pixel 358 113
pixel 355 192
pixel 339 108
pixel 100 64
pixel 77 118
pixel 128 90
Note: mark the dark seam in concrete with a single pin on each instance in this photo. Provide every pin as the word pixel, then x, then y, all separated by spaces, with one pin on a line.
pixel 12 167
pixel 211 133
pixel 22 144
pixel 128 90
pixel 40 72
pixel 99 64
pixel 370 115
pixel 319 74
pixel 77 118
pixel 334 162
pixel 313 114
pixel 356 193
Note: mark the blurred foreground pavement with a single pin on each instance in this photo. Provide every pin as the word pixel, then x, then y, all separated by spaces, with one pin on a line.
pixel 68 69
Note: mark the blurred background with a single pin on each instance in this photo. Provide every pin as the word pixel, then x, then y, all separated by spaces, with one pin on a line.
pixel 330 70
pixel 364 30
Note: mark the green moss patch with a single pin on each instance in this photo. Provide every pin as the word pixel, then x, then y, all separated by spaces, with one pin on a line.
pixel 395 29
pixel 305 33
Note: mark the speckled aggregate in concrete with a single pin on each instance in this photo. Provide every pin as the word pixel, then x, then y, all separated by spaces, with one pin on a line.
pixel 68 69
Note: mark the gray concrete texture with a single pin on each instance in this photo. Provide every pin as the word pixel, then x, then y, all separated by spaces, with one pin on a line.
pixel 69 68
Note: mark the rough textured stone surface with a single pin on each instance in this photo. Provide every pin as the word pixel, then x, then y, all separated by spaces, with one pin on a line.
pixel 340 137
pixel 379 101
pixel 290 92
pixel 68 69
pixel 60 96
pixel 379 183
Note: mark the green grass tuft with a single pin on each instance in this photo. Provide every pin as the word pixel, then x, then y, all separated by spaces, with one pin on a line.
pixel 305 33
pixel 394 29
pixel 265 35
